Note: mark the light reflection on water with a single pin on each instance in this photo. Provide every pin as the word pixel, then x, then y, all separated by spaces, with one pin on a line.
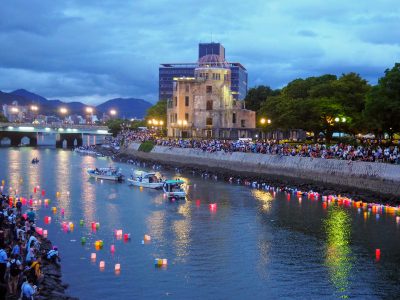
pixel 338 251
pixel 253 245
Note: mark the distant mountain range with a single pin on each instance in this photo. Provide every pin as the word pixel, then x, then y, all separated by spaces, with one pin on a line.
pixel 126 107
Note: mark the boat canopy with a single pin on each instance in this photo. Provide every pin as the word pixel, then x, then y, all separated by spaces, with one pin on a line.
pixel 178 181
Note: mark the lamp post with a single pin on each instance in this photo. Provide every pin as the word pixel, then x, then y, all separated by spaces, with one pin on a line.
pixel 113 112
pixel 342 120
pixel 182 124
pixel 89 115
pixel 265 122
pixel 63 111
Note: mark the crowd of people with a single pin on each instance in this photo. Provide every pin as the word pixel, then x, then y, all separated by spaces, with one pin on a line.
pixel 371 151
pixel 20 251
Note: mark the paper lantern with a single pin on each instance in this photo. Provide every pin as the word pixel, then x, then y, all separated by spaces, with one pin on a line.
pixel 102 264
pixel 54 209
pixel 83 240
pixel 97 225
pixel 34 190
pixel 147 238
pixel 378 253
pixel 117 267
pixel 164 262
pixel 81 222
pixel 62 211
pixel 93 256
pixel 126 236
pixel 45 233
pixel 197 202
pixel 43 193
pixel 112 248
pixel 213 206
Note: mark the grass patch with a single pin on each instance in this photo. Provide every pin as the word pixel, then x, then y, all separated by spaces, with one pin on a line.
pixel 146 146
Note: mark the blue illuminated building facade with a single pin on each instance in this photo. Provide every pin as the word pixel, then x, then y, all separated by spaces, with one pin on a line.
pixel 167 73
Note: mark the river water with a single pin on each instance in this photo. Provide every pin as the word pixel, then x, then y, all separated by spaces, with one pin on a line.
pixel 254 245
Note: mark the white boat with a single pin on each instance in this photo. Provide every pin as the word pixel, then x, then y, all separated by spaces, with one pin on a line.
pixel 147 180
pixel 174 189
pixel 106 173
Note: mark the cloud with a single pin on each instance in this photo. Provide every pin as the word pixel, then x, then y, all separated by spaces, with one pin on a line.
pixel 94 49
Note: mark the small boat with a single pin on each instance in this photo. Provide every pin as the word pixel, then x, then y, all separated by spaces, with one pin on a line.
pixel 106 173
pixel 35 161
pixel 148 180
pixel 174 189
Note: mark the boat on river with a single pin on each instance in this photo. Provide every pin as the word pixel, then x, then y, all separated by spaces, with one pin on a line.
pixel 106 173
pixel 35 160
pixel 147 180
pixel 174 189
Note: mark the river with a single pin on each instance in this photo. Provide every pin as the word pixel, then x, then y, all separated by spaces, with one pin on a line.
pixel 254 245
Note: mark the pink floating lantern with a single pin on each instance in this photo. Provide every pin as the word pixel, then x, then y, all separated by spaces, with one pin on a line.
pixel 112 248
pixel 43 193
pixel 117 268
pixel 45 233
pixel 197 203
pixel 93 256
pixel 213 206
pixel 34 190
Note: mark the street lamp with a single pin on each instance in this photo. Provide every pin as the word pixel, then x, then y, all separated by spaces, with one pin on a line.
pixel 113 112
pixel 264 122
pixel 34 108
pixel 89 110
pixel 14 109
pixel 63 110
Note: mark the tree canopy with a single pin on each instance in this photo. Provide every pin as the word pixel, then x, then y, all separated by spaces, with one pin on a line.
pixel 257 95
pixel 158 111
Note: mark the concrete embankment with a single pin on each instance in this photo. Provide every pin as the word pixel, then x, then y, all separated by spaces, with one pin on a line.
pixel 379 179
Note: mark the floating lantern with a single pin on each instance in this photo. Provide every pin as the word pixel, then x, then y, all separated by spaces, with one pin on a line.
pixel 62 211
pixel 30 202
pixel 58 194
pixel 118 233
pixel 34 190
pixel 68 193
pixel 81 222
pixel 54 209
pixel 25 216
pixel 45 233
pixel 147 238
pixel 398 219
pixel 39 230
pixel 43 193
pixel 71 226
pixel 378 253
pixel 197 203
pixel 112 249
pixel 164 262
pixel 93 256
pixel 126 236
pixel 97 225
pixel 83 241
pixel 102 264
pixel 2 182
pixel 213 206
pixel 117 268
pixel 40 202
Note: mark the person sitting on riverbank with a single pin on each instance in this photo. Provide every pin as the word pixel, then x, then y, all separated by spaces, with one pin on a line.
pixel 54 256
pixel 35 272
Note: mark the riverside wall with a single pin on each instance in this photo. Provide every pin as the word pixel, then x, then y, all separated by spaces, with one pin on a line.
pixel 379 178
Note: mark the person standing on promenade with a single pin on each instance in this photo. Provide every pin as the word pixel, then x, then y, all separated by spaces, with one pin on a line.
pixel 14 266
pixel 3 263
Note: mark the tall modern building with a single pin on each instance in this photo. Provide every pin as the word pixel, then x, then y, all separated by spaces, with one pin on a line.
pixel 170 71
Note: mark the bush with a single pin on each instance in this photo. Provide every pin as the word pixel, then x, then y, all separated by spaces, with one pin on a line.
pixel 146 146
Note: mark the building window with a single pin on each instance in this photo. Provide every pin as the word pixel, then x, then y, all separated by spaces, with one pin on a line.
pixel 243 123
pixel 186 100
pixel 187 88
pixel 209 105
pixel 206 75
pixel 209 121
pixel 175 118
pixel 209 89
pixel 187 117
pixel 175 101
pixel 234 118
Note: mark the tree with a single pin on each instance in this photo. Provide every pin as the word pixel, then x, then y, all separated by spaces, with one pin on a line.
pixel 257 95
pixel 315 103
pixel 115 125
pixel 158 111
pixel 382 107
pixel 3 119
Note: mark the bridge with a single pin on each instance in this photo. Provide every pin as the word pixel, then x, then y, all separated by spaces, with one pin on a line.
pixel 69 135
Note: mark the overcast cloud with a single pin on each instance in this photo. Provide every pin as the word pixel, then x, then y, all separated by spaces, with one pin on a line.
pixel 95 50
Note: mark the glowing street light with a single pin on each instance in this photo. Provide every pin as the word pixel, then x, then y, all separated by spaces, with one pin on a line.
pixel 262 121
pixel 113 112
pixel 14 109
pixel 89 110
pixel 34 108
pixel 337 119
pixel 63 110
pixel 149 122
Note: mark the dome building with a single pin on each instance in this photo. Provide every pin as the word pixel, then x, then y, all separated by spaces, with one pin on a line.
pixel 203 106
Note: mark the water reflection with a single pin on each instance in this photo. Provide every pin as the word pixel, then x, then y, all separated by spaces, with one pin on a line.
pixel 264 197
pixel 338 252
pixel 63 178
pixel 88 192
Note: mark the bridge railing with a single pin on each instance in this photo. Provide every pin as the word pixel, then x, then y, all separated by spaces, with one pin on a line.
pixel 55 126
